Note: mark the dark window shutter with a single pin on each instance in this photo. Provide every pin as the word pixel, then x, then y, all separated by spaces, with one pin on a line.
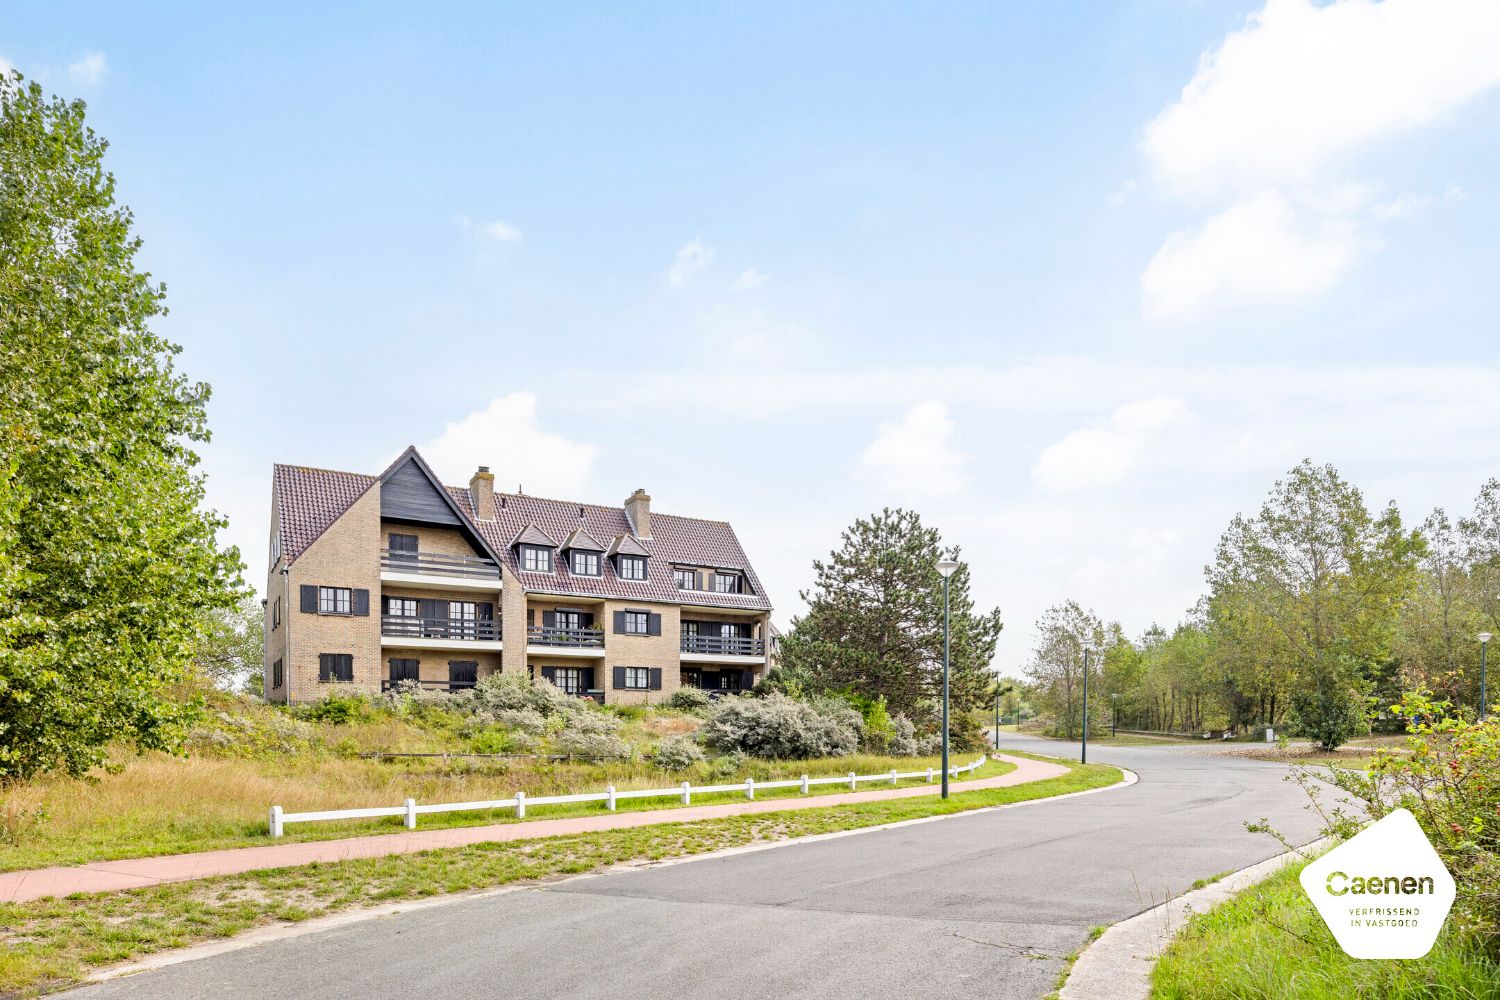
pixel 429 608
pixel 585 619
pixel 747 679
pixel 619 681
pixel 619 625
pixel 310 597
pixel 385 604
pixel 362 603
pixel 346 666
pixel 655 681
pixel 531 616
pixel 587 677
pixel 463 671
pixel 653 626
pixel 325 666
pixel 486 611
pixel 549 619
pixel 549 674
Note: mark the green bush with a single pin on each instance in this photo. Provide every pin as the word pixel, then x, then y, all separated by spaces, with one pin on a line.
pixel 1330 711
pixel 490 741
pixel 878 728
pixel 338 708
pixel 966 734
pixel 688 699
pixel 512 692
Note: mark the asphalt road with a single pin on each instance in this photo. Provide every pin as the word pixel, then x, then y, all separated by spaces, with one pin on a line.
pixel 980 905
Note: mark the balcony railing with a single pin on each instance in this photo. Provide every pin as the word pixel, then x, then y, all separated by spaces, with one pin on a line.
pixel 546 635
pixel 733 646
pixel 390 685
pixel 439 564
pixel 412 627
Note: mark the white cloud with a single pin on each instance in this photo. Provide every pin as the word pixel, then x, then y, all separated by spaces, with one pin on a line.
pixel 917 455
pixel 87 70
pixel 500 232
pixel 1276 114
pixel 694 256
pixel 750 277
pixel 1250 252
pixel 1100 456
pixel 1304 84
pixel 507 437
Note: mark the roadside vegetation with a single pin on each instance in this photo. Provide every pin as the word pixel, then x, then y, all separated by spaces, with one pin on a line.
pixel 1269 941
pixel 53 943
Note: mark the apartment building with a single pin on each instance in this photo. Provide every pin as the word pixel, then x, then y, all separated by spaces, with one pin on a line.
pixel 396 577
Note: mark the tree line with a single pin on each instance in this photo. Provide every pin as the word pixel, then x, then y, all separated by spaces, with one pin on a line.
pixel 1318 614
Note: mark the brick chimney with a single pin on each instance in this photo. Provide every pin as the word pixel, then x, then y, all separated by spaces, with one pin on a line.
pixel 482 489
pixel 638 509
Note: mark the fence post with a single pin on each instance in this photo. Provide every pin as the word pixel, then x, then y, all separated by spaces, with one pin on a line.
pixel 609 800
pixel 520 805
pixel 749 788
pixel 411 813
pixel 853 781
pixel 687 794
pixel 276 828
pixel 804 784
pixel 929 775
pixel 893 775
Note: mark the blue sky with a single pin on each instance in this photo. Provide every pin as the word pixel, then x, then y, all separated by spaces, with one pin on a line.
pixel 1076 281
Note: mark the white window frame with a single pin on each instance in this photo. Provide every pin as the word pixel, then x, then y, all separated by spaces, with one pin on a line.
pixel 330 599
pixel 630 565
pixel 643 617
pixel 637 678
pixel 538 554
pixel 585 559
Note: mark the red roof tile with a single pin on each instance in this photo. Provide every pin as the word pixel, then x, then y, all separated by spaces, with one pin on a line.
pixel 310 500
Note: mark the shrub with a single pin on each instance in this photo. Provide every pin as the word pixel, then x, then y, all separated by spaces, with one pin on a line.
pixel 1329 711
pixel 252 735
pixel 966 734
pixel 903 737
pixel 632 712
pixel 526 720
pixel 780 728
pixel 877 729
pixel 338 708
pixel 676 753
pixel 509 692
pixel 490 741
pixel 688 699
pixel 592 734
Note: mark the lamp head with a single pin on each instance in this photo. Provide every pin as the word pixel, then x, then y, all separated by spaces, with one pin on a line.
pixel 1485 637
pixel 947 567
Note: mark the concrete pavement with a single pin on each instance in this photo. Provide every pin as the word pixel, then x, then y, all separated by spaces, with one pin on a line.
pixel 986 904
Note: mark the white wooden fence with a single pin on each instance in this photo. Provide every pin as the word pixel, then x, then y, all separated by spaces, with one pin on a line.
pixel 409 810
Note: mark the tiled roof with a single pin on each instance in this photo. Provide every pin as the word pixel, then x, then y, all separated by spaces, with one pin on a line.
pixel 529 535
pixel 310 500
pixel 683 541
pixel 582 541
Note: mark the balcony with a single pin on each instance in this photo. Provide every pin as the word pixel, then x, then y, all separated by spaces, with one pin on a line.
pixel 439 633
pixel 574 641
pixel 719 646
pixel 389 685
pixel 424 569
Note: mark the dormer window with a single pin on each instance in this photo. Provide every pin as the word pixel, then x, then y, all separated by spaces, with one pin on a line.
pixel 686 579
pixel 728 583
pixel 631 567
pixel 536 559
pixel 585 563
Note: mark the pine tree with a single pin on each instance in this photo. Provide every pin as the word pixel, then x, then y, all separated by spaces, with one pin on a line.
pixel 874 624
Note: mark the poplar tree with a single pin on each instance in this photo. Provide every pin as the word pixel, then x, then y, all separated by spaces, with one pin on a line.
pixel 109 567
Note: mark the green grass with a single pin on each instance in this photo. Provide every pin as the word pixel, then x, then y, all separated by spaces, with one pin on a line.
pixel 52 943
pixel 162 805
pixel 1268 943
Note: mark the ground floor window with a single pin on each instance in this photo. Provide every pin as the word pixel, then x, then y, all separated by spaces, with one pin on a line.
pixel 569 679
pixel 405 669
pixel 462 673
pixel 278 674
pixel 336 667
pixel 637 678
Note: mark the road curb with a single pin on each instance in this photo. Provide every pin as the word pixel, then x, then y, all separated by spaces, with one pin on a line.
pixel 282 931
pixel 1118 964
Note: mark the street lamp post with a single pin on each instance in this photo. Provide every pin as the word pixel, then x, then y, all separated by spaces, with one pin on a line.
pixel 1083 757
pixel 1484 695
pixel 946 567
pixel 1114 716
pixel 997 717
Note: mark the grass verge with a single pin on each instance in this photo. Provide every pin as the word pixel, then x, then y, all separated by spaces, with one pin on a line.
pixel 1268 943
pixel 53 943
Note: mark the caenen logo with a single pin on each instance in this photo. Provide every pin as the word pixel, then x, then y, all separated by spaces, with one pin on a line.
pixel 1384 893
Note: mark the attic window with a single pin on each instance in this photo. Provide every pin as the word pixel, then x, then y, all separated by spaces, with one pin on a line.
pixel 727 583
pixel 585 563
pixel 631 567
pixel 536 559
